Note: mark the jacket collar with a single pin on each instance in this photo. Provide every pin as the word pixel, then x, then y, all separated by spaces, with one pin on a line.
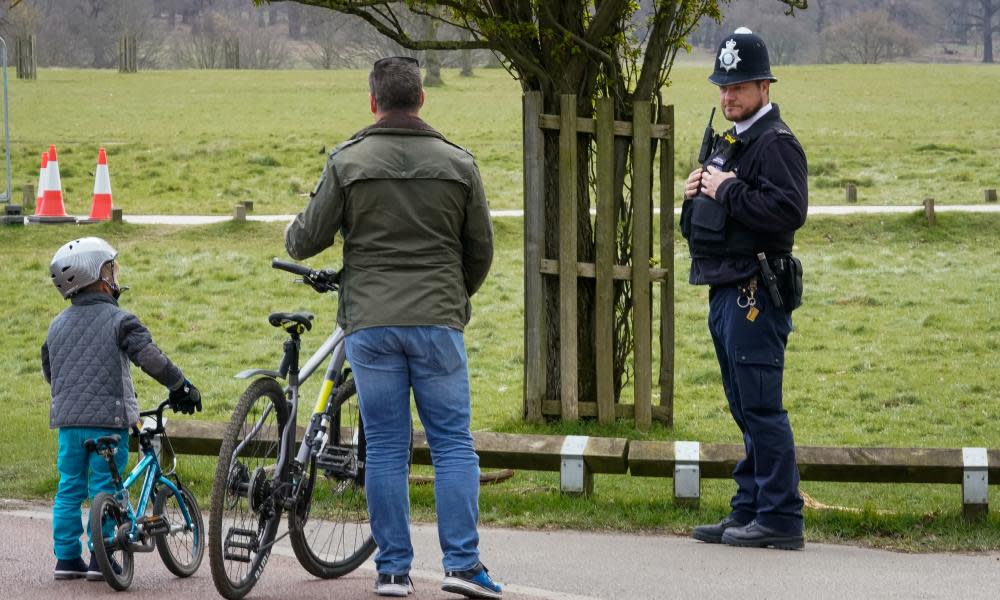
pixel 90 298
pixel 398 123
pixel 765 122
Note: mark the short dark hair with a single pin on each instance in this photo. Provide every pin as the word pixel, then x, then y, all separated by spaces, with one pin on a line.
pixel 395 83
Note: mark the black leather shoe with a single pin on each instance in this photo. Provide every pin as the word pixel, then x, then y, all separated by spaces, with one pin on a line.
pixel 756 535
pixel 713 533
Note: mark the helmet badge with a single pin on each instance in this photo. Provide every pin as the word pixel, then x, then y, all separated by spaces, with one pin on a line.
pixel 729 57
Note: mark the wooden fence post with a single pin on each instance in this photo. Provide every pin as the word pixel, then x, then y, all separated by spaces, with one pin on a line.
pixel 990 195
pixel 642 199
pixel 568 324
pixel 929 212
pixel 851 193
pixel 231 53
pixel 28 198
pixel 534 236
pixel 24 48
pixel 667 262
pixel 605 241
pixel 126 54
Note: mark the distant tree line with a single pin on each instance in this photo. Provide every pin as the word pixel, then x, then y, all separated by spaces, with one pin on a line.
pixel 195 33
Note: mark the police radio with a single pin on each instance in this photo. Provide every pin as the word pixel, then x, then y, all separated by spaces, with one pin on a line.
pixel 707 141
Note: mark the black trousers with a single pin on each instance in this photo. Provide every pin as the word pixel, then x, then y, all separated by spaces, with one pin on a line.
pixel 752 358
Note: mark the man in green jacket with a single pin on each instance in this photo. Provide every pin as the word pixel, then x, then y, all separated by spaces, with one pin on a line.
pixel 418 244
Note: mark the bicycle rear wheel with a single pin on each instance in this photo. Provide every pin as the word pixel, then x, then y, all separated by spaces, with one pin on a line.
pixel 181 547
pixel 330 530
pixel 110 549
pixel 244 513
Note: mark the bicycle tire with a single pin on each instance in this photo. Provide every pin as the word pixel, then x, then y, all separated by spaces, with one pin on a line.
pixel 105 511
pixel 330 531
pixel 181 550
pixel 244 516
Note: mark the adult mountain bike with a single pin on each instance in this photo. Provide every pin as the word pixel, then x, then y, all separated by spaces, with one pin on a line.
pixel 268 465
pixel 174 527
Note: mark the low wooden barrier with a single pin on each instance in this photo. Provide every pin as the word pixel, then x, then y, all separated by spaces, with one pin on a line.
pixel 687 462
pixel 578 458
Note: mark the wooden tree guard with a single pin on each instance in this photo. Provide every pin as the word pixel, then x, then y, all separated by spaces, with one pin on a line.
pixel 126 55
pixel 604 129
pixel 24 49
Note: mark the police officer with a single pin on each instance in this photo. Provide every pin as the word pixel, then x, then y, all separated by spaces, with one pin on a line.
pixel 740 213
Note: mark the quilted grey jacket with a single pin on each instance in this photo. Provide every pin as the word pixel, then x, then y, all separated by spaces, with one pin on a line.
pixel 86 356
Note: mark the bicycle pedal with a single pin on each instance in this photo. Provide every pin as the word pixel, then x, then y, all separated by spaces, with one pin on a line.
pixel 239 544
pixel 335 458
pixel 154 524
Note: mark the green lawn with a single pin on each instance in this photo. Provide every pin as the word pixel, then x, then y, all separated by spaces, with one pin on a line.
pixel 897 345
pixel 196 142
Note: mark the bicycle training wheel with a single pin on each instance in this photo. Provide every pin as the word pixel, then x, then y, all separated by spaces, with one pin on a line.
pixel 244 516
pixel 113 557
pixel 331 533
pixel 181 546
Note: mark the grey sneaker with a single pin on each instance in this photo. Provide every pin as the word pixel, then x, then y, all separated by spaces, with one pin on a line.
pixel 393 585
pixel 712 534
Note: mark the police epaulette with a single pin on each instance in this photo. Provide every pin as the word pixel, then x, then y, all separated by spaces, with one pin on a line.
pixel 782 131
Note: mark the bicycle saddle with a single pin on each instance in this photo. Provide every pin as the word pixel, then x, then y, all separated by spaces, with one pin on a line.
pixel 110 441
pixel 290 320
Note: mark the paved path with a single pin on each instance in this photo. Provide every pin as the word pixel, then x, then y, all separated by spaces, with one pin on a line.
pixel 813 211
pixel 556 565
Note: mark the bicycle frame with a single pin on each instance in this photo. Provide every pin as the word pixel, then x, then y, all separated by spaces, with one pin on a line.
pixel 149 468
pixel 315 436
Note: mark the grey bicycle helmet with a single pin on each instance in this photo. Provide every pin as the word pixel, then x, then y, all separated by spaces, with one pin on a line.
pixel 78 264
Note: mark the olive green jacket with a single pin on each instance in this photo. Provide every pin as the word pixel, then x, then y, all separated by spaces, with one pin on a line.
pixel 410 206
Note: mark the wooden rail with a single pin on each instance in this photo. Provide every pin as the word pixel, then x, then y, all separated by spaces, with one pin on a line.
pixel 658 459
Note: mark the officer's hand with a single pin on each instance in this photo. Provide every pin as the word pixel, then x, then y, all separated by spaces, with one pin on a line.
pixel 693 183
pixel 712 179
pixel 185 399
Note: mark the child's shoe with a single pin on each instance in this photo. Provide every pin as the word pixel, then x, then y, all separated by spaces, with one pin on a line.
pixel 472 583
pixel 70 568
pixel 94 570
pixel 393 585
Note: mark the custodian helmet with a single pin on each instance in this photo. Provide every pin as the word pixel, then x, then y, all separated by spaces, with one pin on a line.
pixel 742 56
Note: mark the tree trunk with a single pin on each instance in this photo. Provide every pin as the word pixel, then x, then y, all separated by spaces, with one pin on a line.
pixel 988 11
pixel 586 373
pixel 294 21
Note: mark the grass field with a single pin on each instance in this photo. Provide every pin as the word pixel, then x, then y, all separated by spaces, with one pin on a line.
pixel 897 345
pixel 196 142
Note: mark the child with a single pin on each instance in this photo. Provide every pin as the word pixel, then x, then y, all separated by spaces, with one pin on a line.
pixel 85 358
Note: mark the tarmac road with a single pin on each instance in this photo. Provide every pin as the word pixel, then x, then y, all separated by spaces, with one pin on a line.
pixel 558 565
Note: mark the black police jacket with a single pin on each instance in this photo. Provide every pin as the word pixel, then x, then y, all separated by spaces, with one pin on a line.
pixel 757 211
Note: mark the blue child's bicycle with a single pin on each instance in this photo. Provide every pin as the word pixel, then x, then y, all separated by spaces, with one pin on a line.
pixel 174 526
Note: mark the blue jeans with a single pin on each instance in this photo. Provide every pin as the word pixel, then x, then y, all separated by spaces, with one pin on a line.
pixel 82 475
pixel 387 362
pixel 752 359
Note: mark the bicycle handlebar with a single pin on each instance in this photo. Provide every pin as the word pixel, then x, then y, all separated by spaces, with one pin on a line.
pixel 326 280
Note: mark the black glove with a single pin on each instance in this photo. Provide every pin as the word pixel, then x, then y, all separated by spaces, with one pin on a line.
pixel 185 399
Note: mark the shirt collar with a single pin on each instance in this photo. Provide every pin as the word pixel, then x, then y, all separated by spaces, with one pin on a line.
pixel 742 126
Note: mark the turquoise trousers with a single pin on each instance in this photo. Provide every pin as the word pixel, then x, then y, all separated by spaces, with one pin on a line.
pixel 82 475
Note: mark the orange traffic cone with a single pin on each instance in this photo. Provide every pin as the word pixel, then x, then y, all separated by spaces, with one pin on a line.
pixel 52 209
pixel 42 180
pixel 100 210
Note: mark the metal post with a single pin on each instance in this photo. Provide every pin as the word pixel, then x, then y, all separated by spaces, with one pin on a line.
pixel 6 122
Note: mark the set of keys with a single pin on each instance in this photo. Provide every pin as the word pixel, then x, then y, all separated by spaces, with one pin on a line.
pixel 748 299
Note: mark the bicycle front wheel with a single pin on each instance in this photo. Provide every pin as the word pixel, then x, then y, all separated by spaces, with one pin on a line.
pixel 182 546
pixel 108 523
pixel 330 531
pixel 245 512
